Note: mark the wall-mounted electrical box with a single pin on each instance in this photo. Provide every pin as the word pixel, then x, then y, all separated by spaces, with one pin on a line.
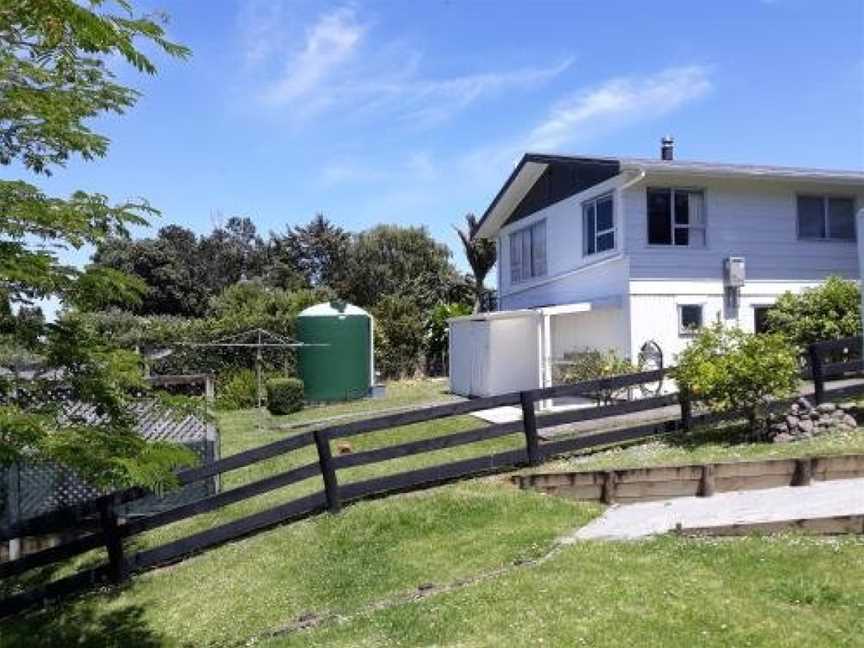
pixel 734 272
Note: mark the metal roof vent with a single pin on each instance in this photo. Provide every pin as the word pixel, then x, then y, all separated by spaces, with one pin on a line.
pixel 667 148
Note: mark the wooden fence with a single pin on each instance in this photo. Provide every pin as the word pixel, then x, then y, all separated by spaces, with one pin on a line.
pixel 110 531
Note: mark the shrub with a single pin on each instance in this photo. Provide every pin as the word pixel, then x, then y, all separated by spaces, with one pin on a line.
pixel 728 369
pixel 284 395
pixel 591 364
pixel 239 390
pixel 828 312
pixel 399 337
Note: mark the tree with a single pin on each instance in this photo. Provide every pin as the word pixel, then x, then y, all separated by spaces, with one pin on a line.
pixel 167 265
pixel 481 256
pixel 53 82
pixel 230 252
pixel 407 261
pixel 318 251
pixel 827 312
pixel 728 370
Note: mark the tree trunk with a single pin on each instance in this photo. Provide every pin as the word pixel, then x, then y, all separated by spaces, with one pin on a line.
pixel 478 295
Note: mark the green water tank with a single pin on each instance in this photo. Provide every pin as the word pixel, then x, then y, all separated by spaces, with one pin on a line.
pixel 339 366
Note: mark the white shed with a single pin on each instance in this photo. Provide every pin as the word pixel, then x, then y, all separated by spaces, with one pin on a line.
pixel 495 353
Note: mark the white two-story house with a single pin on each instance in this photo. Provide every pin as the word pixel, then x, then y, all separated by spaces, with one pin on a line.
pixel 636 254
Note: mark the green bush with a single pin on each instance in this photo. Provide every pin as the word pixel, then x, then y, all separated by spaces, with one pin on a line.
pixel 828 312
pixel 284 395
pixel 591 364
pixel 728 369
pixel 238 390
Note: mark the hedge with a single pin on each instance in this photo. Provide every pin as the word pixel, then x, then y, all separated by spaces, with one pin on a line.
pixel 284 395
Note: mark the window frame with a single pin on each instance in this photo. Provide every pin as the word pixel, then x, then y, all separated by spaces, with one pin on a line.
pixel 527 268
pixel 592 202
pixel 690 332
pixel 826 198
pixel 673 225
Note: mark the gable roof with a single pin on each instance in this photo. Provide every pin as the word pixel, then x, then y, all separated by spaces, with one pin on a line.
pixel 508 205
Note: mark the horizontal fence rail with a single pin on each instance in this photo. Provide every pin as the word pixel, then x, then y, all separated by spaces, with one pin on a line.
pixel 99 526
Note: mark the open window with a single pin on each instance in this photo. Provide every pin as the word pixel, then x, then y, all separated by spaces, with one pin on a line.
pixel 689 319
pixel 676 217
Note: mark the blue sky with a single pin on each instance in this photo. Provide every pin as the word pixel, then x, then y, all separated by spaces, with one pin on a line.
pixel 415 112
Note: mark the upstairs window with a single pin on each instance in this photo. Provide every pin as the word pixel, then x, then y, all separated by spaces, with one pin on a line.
pixel 598 226
pixel 676 217
pixel 826 217
pixel 528 253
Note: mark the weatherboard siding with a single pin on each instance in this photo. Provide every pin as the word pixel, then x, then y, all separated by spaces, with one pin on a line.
pixel 603 281
pixel 753 219
pixel 570 276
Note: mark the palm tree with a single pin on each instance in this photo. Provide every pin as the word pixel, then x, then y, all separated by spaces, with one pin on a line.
pixel 480 254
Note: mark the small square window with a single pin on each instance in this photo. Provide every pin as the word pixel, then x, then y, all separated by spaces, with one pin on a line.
pixel 689 319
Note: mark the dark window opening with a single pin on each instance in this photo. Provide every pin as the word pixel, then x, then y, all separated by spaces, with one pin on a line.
pixel 760 319
pixel 689 318
pixel 823 217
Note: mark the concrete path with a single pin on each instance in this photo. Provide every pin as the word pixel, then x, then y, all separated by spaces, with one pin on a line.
pixel 820 500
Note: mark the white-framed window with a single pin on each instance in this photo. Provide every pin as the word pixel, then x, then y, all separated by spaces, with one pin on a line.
pixel 676 217
pixel 598 225
pixel 689 318
pixel 826 218
pixel 528 252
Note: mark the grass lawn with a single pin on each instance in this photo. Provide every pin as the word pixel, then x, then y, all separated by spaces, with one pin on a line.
pixel 785 591
pixel 324 564
pixel 359 571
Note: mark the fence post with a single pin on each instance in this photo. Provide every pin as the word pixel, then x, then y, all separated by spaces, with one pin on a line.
pixel 818 372
pixel 328 472
pixel 117 571
pixel 686 409
pixel 529 423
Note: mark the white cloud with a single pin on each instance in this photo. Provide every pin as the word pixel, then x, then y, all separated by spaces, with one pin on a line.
pixel 337 65
pixel 593 112
pixel 617 103
pixel 329 43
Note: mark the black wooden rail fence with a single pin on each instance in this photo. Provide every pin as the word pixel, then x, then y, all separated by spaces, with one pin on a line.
pixel 111 530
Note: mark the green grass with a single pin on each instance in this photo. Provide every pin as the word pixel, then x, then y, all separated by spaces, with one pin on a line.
pixel 397 395
pixel 704 446
pixel 359 570
pixel 785 591
pixel 332 564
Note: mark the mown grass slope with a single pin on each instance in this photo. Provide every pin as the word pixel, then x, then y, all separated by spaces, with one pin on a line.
pixel 353 576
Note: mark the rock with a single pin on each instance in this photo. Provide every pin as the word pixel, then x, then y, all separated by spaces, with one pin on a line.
pixel 794 409
pixel 826 408
pixel 778 428
pixel 838 414
pixel 804 404
pixel 825 421
pixel 805 426
pixel 814 415
pixel 791 422
pixel 849 420
pixel 783 438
